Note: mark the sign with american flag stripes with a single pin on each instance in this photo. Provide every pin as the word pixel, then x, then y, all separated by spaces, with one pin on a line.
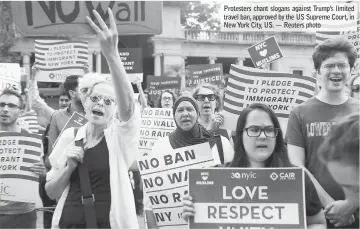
pixel 281 91
pixel 58 59
pixel 18 152
pixel 29 122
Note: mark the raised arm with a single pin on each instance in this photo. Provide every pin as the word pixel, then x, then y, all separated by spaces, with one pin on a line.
pixel 37 104
pixel 109 48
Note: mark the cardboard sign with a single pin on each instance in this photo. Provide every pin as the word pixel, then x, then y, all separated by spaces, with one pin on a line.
pixel 58 59
pixel 29 122
pixel 132 61
pixel 157 84
pixel 165 179
pixel 281 91
pixel 155 123
pixel 10 76
pixel 265 52
pixel 59 18
pixel 271 198
pixel 18 152
pixel 204 73
pixel 76 120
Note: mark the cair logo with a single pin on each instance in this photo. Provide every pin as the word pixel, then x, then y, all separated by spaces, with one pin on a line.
pixel 282 176
pixel 204 181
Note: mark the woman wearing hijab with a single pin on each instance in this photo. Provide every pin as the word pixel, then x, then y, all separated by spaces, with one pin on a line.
pixel 188 132
pixel 95 159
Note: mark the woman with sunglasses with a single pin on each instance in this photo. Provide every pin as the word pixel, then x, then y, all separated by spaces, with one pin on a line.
pixel 259 144
pixel 166 99
pixel 354 86
pixel 101 151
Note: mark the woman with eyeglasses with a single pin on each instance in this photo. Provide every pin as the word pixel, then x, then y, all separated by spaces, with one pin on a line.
pixel 259 144
pixel 89 174
pixel 188 132
pixel 166 99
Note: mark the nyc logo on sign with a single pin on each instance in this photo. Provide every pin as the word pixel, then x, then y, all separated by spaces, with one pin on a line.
pixel 265 52
pixel 204 181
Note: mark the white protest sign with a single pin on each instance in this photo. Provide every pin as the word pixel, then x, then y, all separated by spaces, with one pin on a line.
pixel 18 152
pixel 10 76
pixel 281 91
pixel 155 123
pixel 165 179
pixel 58 59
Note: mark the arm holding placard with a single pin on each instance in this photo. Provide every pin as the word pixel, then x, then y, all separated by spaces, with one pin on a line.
pixel 37 104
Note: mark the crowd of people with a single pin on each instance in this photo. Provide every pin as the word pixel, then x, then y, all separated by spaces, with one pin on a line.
pixel 85 176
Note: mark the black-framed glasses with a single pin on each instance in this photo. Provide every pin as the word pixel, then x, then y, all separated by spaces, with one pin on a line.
pixel 355 88
pixel 97 98
pixel 210 97
pixel 255 131
pixel 10 105
pixel 341 66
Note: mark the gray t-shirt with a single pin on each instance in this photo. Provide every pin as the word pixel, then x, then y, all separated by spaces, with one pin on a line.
pixel 308 124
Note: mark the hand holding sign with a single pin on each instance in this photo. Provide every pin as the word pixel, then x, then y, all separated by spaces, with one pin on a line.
pixel 188 208
pixel 38 168
pixel 34 71
pixel 108 36
pixel 217 120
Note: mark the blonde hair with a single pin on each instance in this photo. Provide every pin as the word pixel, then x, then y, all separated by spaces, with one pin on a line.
pixel 90 79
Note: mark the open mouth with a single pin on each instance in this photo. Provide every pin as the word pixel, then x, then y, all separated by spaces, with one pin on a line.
pixel 336 79
pixel 98 113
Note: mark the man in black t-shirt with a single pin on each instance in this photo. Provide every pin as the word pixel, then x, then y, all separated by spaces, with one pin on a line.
pixel 311 121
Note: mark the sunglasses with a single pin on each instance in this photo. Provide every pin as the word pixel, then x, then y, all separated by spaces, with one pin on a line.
pixel 355 88
pixel 97 98
pixel 210 97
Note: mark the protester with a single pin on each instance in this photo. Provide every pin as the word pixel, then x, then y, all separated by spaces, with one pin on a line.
pixel 15 214
pixel 144 97
pixel 260 144
pixel 186 91
pixel 188 132
pixel 340 153
pixel 64 100
pixel 166 99
pixel 312 120
pixel 110 146
pixel 354 86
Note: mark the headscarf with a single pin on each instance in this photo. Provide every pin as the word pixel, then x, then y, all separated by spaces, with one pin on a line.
pixel 196 135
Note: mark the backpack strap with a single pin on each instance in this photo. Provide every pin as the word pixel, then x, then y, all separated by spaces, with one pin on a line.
pixel 219 146
pixel 87 197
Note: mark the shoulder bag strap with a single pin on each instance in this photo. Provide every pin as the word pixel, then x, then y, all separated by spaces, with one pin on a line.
pixel 87 197
pixel 219 146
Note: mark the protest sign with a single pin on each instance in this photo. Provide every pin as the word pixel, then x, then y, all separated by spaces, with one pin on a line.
pixel 29 122
pixel 18 152
pixel 10 76
pixel 76 120
pixel 155 123
pixel 132 61
pixel 59 18
pixel 271 198
pixel 281 91
pixel 157 84
pixel 265 52
pixel 58 59
pixel 165 180
pixel 204 73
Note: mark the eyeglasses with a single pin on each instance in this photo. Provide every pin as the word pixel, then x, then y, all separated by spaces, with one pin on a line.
pixel 341 66
pixel 84 90
pixel 97 98
pixel 355 88
pixel 255 131
pixel 166 98
pixel 210 97
pixel 10 105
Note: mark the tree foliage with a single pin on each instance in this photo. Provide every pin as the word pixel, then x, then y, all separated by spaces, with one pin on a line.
pixel 200 15
pixel 8 34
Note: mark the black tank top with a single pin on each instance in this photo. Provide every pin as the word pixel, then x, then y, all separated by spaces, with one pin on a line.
pixel 96 160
